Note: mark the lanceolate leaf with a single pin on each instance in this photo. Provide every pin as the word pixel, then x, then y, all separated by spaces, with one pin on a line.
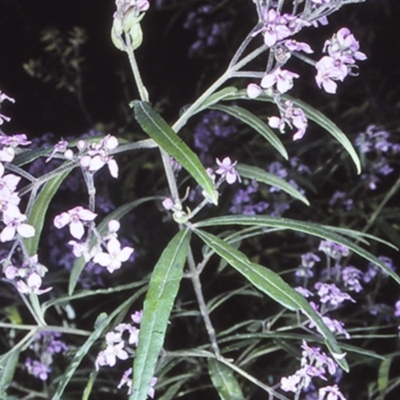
pixel 7 370
pixel 318 117
pixel 223 380
pixel 163 288
pixel 247 171
pixel 383 376
pixel 156 127
pixel 314 115
pixel 257 124
pixel 39 210
pixel 275 287
pixel 321 231
pixel 217 97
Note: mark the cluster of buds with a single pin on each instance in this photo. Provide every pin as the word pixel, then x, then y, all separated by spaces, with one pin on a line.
pixel 126 31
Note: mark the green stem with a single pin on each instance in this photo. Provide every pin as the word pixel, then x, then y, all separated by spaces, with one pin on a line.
pixel 37 309
pixel 48 328
pixel 144 95
pixel 69 165
pixel 219 82
pixel 194 276
pixel 382 204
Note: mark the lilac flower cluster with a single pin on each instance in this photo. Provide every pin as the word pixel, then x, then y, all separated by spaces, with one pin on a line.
pixel 44 347
pixel 349 279
pixel 375 272
pixel 26 275
pixel 114 254
pixel 117 347
pixel 330 296
pixel 375 146
pixel 314 364
pixel 210 33
pixel 342 53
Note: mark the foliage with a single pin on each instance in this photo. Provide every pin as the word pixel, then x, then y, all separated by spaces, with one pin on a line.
pixel 244 252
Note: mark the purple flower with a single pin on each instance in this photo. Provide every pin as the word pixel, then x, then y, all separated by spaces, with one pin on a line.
pixel 294 117
pixel 375 270
pixel 98 155
pixel 227 170
pixel 37 369
pixel 294 45
pixel 397 309
pixel 351 277
pixel 74 218
pixel 114 257
pixel 331 295
pixel 275 27
pixel 281 77
pixel 328 72
pixel 278 169
pixel 15 224
pixel 344 44
pixel 333 250
pixel 330 393
pixel 308 261
pixel 343 51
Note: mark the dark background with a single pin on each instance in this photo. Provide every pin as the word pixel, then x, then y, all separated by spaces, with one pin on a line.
pixel 172 78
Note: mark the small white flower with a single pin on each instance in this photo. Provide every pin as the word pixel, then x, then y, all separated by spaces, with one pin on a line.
pixel 14 225
pixel 227 170
pixel 115 256
pixel 74 218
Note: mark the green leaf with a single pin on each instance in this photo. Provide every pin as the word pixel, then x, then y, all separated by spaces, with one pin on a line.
pixel 247 171
pixel 319 118
pixel 321 231
pixel 273 286
pixel 85 348
pixel 163 288
pixel 217 97
pixel 257 124
pixel 383 376
pixel 171 393
pixel 156 127
pixel 39 210
pixel 28 156
pixel 314 115
pixel 7 370
pixel 89 385
pixel 224 381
